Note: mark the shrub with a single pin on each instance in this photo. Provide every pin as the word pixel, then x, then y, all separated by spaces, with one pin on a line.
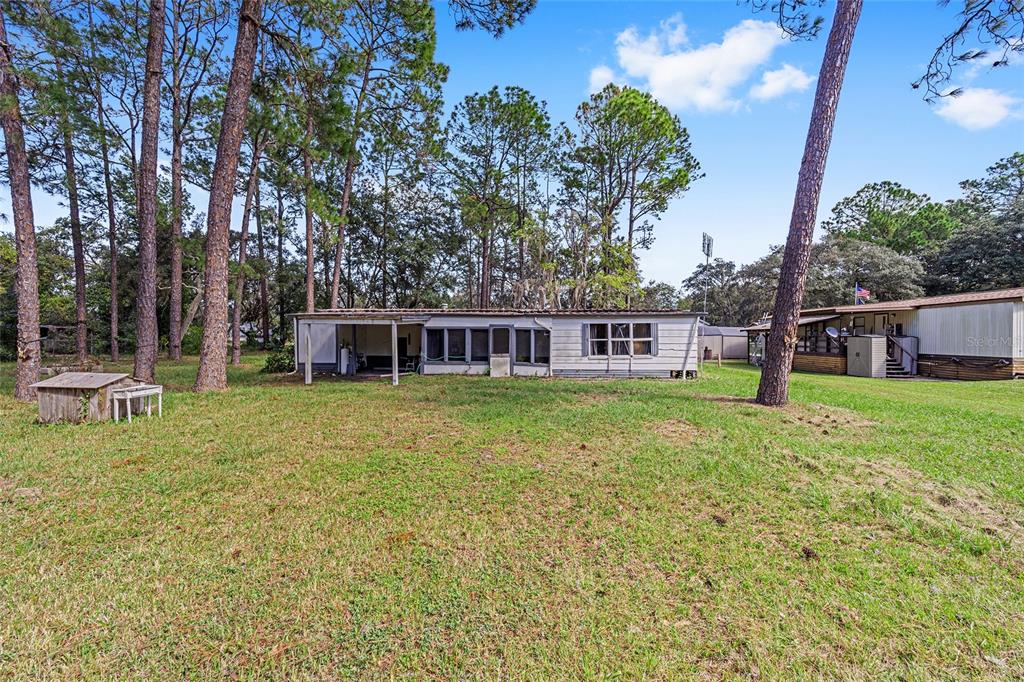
pixel 191 340
pixel 280 361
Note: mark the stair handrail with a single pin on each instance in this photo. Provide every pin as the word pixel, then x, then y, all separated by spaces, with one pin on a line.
pixel 903 351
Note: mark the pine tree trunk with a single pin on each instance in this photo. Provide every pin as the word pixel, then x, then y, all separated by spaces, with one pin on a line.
pixel 147 334
pixel 307 175
pixel 346 194
pixel 282 320
pixel 108 188
pixel 243 245
pixel 213 351
pixel 27 275
pixel 175 332
pixel 264 292
pixel 774 386
pixel 75 219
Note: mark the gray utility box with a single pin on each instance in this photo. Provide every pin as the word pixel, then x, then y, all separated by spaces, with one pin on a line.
pixel 865 356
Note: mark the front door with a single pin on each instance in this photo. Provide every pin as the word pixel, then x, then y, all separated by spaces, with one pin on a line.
pixel 881 322
pixel 501 351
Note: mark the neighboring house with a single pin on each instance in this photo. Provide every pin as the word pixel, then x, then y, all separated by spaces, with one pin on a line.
pixel 729 343
pixel 576 343
pixel 977 335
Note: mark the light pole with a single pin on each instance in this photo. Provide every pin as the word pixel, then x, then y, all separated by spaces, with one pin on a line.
pixel 706 247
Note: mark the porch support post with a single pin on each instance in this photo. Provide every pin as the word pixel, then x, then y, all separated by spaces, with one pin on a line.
pixel 309 355
pixel 394 352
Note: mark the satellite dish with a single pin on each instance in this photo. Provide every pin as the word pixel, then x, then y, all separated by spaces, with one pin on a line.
pixel 832 331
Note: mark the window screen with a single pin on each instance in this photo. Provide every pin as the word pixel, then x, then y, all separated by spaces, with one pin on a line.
pixel 523 344
pixel 499 341
pixel 541 346
pixel 435 344
pixel 478 341
pixel 456 345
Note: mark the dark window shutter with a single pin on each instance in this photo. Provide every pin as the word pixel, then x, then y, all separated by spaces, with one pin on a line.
pixel 654 338
pixel 585 335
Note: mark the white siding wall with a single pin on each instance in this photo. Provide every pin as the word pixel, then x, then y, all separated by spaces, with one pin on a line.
pixel 677 348
pixel 322 341
pixel 980 330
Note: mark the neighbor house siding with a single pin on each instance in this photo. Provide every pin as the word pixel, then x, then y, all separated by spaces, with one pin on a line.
pixel 981 330
pixel 677 346
pixel 1018 333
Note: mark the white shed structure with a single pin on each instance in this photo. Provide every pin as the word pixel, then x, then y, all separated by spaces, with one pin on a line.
pixel 597 343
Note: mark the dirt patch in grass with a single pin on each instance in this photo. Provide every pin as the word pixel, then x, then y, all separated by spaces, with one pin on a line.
pixel 949 501
pixel 680 431
pixel 824 419
pixel 587 399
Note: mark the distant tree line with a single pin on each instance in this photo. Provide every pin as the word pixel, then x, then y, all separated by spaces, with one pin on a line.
pixel 894 242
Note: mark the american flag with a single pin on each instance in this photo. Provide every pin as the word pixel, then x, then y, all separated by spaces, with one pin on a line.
pixel 860 293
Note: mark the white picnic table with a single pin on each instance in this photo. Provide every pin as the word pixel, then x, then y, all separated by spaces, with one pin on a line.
pixel 129 393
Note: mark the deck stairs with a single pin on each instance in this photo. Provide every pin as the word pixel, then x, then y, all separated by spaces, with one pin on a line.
pixel 895 370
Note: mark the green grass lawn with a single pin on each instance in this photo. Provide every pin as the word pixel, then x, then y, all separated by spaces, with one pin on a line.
pixel 471 527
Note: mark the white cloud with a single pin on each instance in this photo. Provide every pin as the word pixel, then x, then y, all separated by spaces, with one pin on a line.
pixel 702 77
pixel 600 76
pixel 978 108
pixel 780 81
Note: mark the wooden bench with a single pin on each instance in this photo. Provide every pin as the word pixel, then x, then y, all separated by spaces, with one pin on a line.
pixel 129 393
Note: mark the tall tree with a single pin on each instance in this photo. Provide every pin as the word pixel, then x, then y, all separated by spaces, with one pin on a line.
pixel 888 214
pixel 95 65
pixel 27 278
pixel 251 184
pixel 774 386
pixel 196 40
pixel 147 334
pixel 213 351
pixel 392 46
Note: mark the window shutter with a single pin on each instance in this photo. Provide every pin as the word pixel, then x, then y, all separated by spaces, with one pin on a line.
pixel 585 335
pixel 654 338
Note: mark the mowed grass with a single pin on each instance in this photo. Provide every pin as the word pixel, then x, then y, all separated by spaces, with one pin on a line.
pixel 460 527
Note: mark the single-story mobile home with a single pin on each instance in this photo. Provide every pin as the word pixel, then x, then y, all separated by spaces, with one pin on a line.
pixel 977 335
pixel 574 343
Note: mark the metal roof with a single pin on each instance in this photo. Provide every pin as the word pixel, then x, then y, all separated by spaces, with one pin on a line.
pixel 803 320
pixel 1015 294
pixel 711 330
pixel 403 313
pixel 80 380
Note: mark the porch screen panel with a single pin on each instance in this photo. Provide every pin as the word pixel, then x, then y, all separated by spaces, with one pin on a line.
pixel 478 345
pixel 523 345
pixel 456 345
pixel 435 345
pixel 542 346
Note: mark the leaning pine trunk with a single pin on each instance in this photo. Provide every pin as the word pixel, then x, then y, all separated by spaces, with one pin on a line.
pixel 774 387
pixel 213 351
pixel 27 276
pixel 243 245
pixel 147 334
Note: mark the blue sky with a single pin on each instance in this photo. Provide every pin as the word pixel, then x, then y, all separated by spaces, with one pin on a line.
pixel 750 147
pixel 707 61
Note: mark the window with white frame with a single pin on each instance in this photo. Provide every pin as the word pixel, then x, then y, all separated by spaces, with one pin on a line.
pixel 621 339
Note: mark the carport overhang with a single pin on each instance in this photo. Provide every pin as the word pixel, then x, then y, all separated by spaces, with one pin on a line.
pixel 357 318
